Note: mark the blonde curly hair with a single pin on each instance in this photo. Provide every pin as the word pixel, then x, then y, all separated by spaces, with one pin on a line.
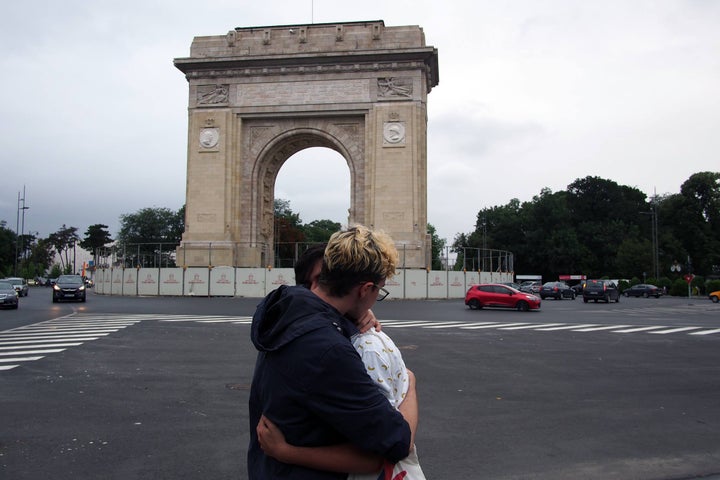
pixel 357 255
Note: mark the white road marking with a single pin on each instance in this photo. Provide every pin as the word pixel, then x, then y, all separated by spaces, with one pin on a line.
pixel 566 327
pixel 706 332
pixel 674 330
pixel 533 326
pixel 495 325
pixel 19 359
pixel 637 329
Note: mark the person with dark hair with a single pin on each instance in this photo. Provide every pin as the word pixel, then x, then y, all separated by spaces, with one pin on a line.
pixel 309 379
pixel 385 366
pixel 308 266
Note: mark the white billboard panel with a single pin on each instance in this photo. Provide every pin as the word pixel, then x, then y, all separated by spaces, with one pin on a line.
pixel 250 282
pixel 197 281
pixel 148 281
pixel 222 282
pixel 171 281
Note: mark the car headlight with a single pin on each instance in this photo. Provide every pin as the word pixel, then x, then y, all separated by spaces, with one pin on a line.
pixel 55 287
pixel 82 287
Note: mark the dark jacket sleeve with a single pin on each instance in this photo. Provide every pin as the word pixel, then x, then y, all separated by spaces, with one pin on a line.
pixel 343 394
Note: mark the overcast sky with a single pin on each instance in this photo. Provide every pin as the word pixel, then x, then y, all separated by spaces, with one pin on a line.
pixel 532 94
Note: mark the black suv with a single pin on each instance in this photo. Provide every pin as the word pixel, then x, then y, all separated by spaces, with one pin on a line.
pixel 69 287
pixel 600 290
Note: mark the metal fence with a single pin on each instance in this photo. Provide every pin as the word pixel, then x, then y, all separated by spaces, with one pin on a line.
pixel 284 255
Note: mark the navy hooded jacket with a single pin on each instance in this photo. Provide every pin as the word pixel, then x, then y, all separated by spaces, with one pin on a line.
pixel 310 381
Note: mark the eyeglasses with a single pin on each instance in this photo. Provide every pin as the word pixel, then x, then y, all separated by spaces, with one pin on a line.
pixel 382 293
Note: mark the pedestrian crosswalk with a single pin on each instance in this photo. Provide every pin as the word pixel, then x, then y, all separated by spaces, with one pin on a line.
pixel 554 327
pixel 34 342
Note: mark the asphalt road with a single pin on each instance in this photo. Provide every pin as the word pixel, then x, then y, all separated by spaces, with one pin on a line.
pixel 157 388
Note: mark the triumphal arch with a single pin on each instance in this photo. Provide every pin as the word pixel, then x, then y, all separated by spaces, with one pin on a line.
pixel 258 95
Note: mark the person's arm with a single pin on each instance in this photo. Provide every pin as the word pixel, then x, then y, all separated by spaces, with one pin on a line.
pixel 409 407
pixel 343 458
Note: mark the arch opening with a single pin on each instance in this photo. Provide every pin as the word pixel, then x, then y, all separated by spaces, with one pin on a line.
pixel 315 183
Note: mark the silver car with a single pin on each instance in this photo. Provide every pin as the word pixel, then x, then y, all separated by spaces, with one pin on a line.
pixel 20 284
pixel 8 295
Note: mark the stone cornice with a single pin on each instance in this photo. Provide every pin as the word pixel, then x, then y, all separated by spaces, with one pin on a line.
pixel 425 59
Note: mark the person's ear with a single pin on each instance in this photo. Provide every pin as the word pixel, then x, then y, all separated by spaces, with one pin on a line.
pixel 365 288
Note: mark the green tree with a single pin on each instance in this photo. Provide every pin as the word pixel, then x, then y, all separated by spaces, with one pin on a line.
pixel 319 231
pixel 63 241
pixel 603 213
pixel 96 236
pixel 40 257
pixel 550 231
pixel 8 256
pixel 437 247
pixel 701 193
pixel 634 257
pixel 150 234
pixel 289 233
pixel 152 226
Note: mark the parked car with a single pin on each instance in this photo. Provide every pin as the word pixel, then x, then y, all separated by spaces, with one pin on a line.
pixel 557 290
pixel 498 295
pixel 714 296
pixel 20 285
pixel 643 290
pixel 530 286
pixel 69 287
pixel 8 295
pixel 514 285
pixel 600 290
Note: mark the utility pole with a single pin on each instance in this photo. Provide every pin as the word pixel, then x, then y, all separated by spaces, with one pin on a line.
pixel 484 227
pixel 18 232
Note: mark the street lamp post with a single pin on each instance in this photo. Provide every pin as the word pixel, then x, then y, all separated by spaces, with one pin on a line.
pixel 484 227
pixel 19 232
pixel 654 237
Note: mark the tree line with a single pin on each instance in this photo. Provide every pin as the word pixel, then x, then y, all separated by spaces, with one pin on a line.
pixel 31 256
pixel 595 227
pixel 601 229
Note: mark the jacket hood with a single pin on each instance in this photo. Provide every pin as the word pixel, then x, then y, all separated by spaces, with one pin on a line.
pixel 289 312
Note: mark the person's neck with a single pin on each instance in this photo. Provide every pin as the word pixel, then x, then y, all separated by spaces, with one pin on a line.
pixel 339 303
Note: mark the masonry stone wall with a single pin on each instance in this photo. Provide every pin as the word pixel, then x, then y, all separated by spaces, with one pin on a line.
pixel 258 95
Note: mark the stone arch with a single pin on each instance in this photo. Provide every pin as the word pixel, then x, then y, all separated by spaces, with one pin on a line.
pixel 278 150
pixel 258 95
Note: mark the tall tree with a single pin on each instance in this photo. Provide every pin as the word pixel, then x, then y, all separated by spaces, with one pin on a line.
pixel 152 226
pixel 150 233
pixel 8 253
pixel 64 241
pixel 40 258
pixel 602 213
pixel 319 231
pixel 96 236
pixel 437 247
pixel 693 217
pixel 288 233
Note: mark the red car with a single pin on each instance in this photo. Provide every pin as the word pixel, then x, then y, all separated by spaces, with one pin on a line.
pixel 495 295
